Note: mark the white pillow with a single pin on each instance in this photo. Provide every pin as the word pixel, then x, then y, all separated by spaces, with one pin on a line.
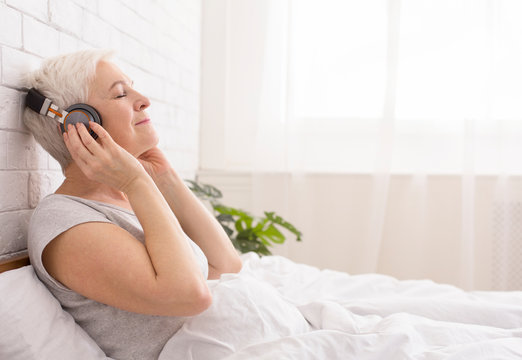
pixel 33 324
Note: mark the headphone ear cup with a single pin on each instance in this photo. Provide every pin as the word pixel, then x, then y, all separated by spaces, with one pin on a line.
pixel 81 113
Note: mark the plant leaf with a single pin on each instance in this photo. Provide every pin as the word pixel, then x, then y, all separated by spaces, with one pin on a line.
pixel 225 218
pixel 247 245
pixel 260 225
pixel 276 219
pixel 272 234
pixel 205 191
pixel 222 209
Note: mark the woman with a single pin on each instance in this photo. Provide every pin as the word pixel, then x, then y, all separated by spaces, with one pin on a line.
pixel 123 244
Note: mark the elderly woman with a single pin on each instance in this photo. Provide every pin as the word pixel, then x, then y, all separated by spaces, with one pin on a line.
pixel 123 244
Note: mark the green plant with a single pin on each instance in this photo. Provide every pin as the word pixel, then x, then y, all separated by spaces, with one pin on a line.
pixel 247 233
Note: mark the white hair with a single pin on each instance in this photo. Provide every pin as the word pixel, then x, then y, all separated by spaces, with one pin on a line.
pixel 65 79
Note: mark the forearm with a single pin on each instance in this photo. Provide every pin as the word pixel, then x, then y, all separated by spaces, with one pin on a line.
pixel 199 224
pixel 170 254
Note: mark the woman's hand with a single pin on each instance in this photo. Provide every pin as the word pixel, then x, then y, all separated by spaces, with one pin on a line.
pixel 104 161
pixel 154 162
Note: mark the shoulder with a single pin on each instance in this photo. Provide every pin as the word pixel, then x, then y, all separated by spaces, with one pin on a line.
pixel 62 212
pixel 62 204
pixel 56 214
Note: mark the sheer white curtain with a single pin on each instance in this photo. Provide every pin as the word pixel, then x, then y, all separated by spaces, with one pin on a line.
pixel 389 131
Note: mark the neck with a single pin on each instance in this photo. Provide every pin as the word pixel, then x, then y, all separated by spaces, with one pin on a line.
pixel 77 184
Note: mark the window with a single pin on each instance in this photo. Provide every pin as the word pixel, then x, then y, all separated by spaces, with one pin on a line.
pixel 428 84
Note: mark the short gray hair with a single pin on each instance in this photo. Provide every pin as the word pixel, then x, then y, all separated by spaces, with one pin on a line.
pixel 65 79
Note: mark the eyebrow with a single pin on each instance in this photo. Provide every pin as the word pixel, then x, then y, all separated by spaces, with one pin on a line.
pixel 122 82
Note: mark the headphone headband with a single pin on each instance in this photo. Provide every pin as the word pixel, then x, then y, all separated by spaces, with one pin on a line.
pixel 45 106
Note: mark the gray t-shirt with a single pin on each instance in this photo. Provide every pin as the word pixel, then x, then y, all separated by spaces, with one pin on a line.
pixel 120 334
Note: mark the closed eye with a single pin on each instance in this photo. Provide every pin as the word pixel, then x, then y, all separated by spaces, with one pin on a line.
pixel 121 96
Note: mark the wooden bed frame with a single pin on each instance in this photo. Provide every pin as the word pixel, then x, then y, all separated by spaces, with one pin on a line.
pixel 14 263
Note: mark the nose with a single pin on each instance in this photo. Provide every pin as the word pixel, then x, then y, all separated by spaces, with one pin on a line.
pixel 142 102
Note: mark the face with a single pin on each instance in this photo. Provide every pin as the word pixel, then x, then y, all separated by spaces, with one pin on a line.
pixel 122 109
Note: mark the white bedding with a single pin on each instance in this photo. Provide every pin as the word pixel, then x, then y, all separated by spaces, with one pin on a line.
pixel 277 309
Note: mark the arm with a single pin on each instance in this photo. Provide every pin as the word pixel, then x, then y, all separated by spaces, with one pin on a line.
pixel 107 264
pixel 197 222
pixel 200 225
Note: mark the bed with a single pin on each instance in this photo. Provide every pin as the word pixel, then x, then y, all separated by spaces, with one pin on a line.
pixel 278 309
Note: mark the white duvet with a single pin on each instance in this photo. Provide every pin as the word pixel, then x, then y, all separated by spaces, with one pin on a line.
pixel 277 309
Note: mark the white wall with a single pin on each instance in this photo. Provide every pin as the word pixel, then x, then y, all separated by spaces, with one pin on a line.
pixel 158 42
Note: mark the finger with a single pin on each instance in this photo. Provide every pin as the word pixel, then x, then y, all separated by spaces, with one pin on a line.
pixel 76 146
pixel 87 140
pixel 103 135
pixel 74 138
pixel 67 141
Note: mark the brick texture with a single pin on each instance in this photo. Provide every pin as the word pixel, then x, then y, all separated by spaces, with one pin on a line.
pixel 157 43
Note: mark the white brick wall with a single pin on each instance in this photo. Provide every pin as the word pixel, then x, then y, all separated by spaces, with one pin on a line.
pixel 158 42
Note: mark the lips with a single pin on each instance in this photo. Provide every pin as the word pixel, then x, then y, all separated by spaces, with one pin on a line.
pixel 144 121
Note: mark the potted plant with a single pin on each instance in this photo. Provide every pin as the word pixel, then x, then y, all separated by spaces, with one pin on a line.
pixel 247 233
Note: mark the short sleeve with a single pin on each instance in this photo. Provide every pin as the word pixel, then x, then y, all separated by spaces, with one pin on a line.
pixel 54 215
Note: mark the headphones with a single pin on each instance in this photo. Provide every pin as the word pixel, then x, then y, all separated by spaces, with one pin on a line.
pixel 77 113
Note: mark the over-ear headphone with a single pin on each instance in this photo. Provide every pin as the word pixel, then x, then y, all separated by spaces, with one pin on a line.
pixel 77 113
